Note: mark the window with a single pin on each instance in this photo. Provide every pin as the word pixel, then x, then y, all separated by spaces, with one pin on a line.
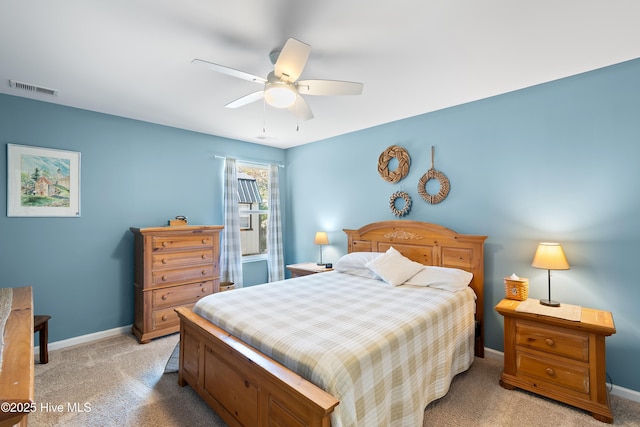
pixel 253 204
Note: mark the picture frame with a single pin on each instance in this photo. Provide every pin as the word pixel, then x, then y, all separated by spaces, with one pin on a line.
pixel 42 182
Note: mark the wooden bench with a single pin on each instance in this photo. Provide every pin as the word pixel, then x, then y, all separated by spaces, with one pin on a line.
pixel 16 377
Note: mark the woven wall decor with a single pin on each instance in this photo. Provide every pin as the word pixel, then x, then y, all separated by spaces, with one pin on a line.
pixel 407 203
pixel 403 163
pixel 440 177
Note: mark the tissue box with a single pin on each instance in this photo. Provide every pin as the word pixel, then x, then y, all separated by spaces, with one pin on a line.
pixel 517 289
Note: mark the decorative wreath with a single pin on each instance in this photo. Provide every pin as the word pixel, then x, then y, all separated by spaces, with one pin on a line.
pixel 433 174
pixel 444 186
pixel 407 203
pixel 403 163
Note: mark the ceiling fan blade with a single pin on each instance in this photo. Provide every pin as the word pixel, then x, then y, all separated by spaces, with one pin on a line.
pixel 229 71
pixel 291 60
pixel 329 87
pixel 301 109
pixel 247 99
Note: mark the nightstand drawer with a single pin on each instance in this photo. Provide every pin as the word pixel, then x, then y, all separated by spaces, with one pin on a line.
pixel 306 268
pixel 553 340
pixel 568 375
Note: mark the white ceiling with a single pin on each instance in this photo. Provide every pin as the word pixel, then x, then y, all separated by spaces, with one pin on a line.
pixel 132 58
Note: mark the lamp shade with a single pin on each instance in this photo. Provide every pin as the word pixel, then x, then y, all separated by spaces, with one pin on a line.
pixel 321 238
pixel 550 256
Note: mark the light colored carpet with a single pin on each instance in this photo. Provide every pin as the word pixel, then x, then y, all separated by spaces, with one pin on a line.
pixel 123 383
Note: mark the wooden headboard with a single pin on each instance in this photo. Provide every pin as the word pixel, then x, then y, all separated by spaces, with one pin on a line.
pixel 429 244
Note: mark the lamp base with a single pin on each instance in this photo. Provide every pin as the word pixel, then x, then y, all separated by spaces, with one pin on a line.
pixel 549 303
pixel 320 263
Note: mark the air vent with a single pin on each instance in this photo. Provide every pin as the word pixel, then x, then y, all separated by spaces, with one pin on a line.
pixel 33 88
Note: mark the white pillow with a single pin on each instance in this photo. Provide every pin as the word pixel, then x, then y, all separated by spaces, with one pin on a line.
pixel 362 272
pixel 393 267
pixel 355 264
pixel 450 279
pixel 356 260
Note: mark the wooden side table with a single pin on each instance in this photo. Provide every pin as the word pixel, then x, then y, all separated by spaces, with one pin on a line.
pixel 560 359
pixel 306 268
pixel 41 325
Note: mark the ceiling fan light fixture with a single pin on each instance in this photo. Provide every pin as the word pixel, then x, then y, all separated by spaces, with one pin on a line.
pixel 280 94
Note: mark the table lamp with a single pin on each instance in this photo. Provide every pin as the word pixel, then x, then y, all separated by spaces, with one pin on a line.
pixel 550 256
pixel 321 239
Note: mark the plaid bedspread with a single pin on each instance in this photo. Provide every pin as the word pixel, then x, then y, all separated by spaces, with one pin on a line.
pixel 385 352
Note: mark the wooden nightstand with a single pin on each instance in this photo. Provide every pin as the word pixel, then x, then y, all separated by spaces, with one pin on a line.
pixel 306 268
pixel 557 358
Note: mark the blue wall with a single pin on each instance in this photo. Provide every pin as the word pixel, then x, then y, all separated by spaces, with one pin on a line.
pixel 132 174
pixel 555 162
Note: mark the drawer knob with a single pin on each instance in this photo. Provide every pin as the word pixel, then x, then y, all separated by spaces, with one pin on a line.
pixel 204 272
pixel 164 317
pixel 204 256
pixel 164 260
pixel 550 372
pixel 165 296
pixel 164 244
pixel 549 342
pixel 204 241
pixel 203 290
pixel 164 278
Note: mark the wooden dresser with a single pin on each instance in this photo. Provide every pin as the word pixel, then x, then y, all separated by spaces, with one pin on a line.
pixel 560 359
pixel 175 267
pixel 17 373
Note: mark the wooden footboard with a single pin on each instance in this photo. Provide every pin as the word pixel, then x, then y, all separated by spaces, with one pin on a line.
pixel 242 385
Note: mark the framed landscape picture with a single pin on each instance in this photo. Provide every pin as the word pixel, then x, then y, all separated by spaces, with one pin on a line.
pixel 42 182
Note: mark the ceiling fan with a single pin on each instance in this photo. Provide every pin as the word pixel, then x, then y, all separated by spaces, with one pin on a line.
pixel 282 89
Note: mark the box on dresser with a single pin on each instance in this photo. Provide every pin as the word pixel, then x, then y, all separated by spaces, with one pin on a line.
pixel 174 267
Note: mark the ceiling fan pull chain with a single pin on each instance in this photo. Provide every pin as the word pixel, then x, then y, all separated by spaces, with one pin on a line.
pixel 264 117
pixel 297 116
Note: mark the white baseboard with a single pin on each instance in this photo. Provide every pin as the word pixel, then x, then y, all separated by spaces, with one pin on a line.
pixel 85 338
pixel 616 390
pixel 627 393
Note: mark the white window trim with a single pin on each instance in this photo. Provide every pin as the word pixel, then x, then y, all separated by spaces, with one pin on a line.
pixel 253 257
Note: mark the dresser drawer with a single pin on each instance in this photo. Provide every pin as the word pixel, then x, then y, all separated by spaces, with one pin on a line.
pixel 553 340
pixel 162 277
pixel 180 295
pixel 165 318
pixel 568 375
pixel 181 259
pixel 168 242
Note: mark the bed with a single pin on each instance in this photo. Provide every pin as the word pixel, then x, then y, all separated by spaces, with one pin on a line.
pixel 230 362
